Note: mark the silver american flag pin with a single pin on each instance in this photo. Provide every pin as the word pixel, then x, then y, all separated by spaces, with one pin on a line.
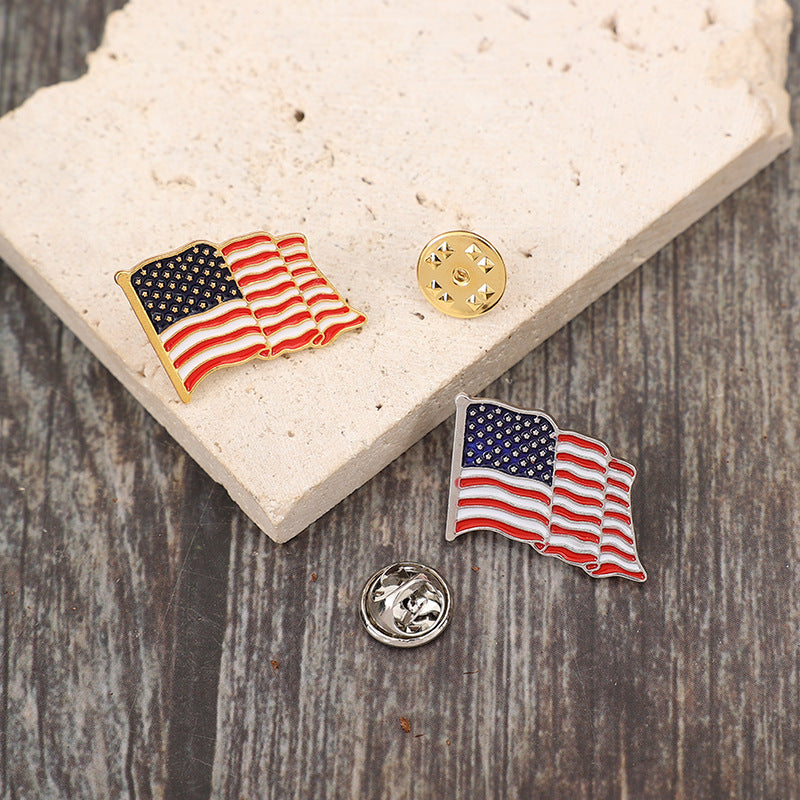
pixel 515 472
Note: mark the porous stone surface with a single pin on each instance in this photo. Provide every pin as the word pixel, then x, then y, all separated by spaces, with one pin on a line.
pixel 577 137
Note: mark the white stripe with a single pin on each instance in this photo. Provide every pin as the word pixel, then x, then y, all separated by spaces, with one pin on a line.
pixel 274 319
pixel 253 250
pixel 616 525
pixel 272 302
pixel 581 472
pixel 214 352
pixel 307 277
pixel 583 452
pixel 266 266
pixel 511 480
pixel 612 505
pixel 612 558
pixel 576 488
pixel 579 527
pixel 316 297
pixel 329 305
pixel 326 323
pixel 618 541
pixel 291 332
pixel 504 496
pixel 577 508
pixel 622 476
pixel 293 249
pixel 617 496
pixel 569 543
pixel 204 316
pixel 207 333
pixel 271 283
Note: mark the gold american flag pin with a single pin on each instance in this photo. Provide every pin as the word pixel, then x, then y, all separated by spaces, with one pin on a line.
pixel 205 306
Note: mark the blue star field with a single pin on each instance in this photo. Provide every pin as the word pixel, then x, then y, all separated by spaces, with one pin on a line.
pixel 176 286
pixel 521 445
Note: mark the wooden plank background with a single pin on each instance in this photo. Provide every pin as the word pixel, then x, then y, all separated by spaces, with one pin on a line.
pixel 142 611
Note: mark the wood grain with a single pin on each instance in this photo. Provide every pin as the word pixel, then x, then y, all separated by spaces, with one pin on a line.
pixel 154 644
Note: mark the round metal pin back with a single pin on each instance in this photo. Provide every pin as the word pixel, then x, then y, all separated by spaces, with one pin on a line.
pixel 461 274
pixel 405 604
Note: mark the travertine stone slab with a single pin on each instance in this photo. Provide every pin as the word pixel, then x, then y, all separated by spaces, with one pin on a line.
pixel 577 137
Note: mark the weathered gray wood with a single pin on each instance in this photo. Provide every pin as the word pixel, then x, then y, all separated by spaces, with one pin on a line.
pixel 113 597
pixel 127 575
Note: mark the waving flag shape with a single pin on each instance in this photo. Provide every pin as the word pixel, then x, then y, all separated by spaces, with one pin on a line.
pixel 515 472
pixel 206 306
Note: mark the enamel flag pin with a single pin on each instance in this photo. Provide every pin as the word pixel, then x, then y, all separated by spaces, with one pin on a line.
pixel 515 472
pixel 206 306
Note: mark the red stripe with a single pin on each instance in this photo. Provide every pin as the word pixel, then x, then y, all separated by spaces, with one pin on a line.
pixel 294 257
pixel 327 312
pixel 265 313
pixel 618 515
pixel 480 524
pixel 257 258
pixel 280 307
pixel 608 570
pixel 243 244
pixel 234 313
pixel 609 548
pixel 311 284
pixel 310 270
pixel 262 276
pixel 589 484
pixel 277 290
pixel 295 319
pixel 568 555
pixel 621 535
pixel 297 343
pixel 616 499
pixel 331 333
pixel 584 536
pixel 471 502
pixel 230 358
pixel 292 240
pixel 577 498
pixel 518 490
pixel 589 444
pixel 331 312
pixel 617 484
pixel 194 350
pixel 573 517
pixel 581 462
pixel 622 467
